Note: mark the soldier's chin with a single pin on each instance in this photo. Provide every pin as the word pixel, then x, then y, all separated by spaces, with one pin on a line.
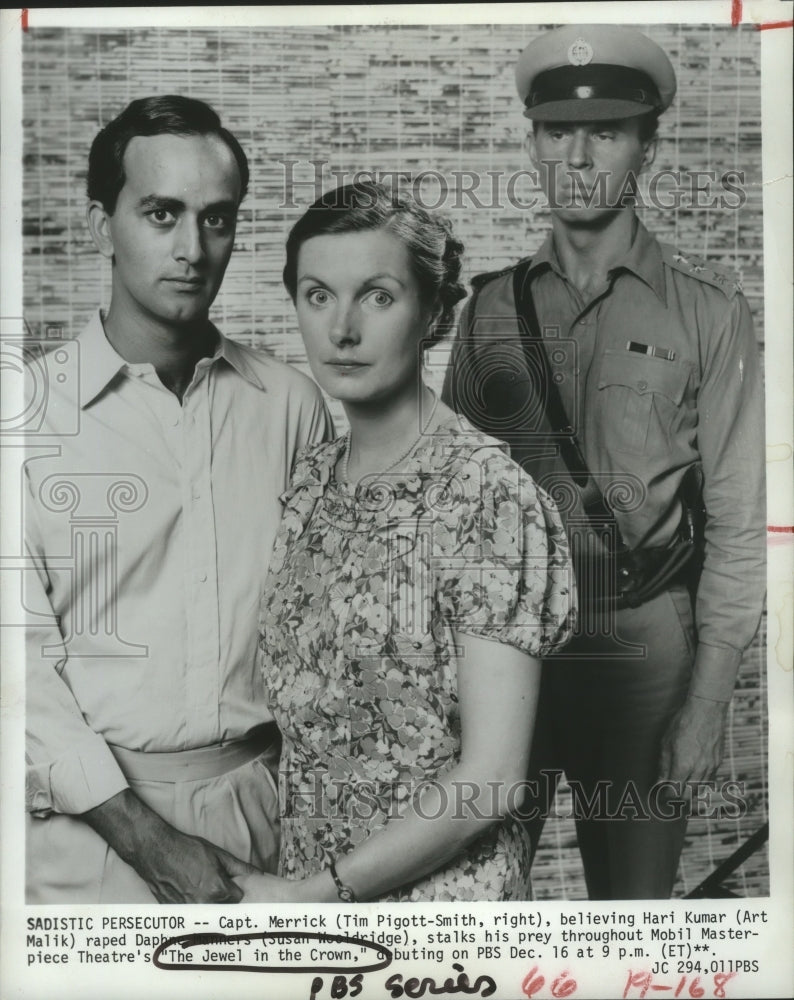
pixel 585 215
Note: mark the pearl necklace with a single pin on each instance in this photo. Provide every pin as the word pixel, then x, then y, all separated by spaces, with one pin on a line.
pixel 398 461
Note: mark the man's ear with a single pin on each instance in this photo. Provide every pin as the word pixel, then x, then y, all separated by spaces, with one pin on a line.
pixel 532 147
pixel 649 155
pixel 99 227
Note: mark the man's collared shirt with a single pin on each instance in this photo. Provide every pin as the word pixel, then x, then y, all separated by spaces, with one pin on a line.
pixel 151 529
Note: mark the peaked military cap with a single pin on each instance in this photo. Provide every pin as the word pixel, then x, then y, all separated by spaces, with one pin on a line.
pixel 594 72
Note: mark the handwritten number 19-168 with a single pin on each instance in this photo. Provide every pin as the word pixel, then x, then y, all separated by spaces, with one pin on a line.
pixel 641 981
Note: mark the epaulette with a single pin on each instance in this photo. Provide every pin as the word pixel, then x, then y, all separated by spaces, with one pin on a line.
pixel 480 280
pixel 703 270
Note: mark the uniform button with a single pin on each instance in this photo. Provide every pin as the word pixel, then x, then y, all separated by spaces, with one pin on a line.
pixel 642 385
pixel 201 577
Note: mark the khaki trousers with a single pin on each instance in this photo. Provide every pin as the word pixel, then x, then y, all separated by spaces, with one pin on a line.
pixel 601 718
pixel 67 862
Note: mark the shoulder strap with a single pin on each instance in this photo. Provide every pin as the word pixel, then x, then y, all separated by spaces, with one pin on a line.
pixel 471 303
pixel 571 453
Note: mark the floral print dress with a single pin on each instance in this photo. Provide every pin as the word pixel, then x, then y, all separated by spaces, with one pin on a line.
pixel 366 585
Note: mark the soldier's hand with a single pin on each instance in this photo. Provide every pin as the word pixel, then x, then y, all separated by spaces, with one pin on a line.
pixel 178 868
pixel 692 746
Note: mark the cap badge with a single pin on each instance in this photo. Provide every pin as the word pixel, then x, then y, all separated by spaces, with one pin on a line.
pixel 580 53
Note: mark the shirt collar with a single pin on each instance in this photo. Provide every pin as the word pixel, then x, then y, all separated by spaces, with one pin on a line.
pixel 644 259
pixel 102 363
pixel 545 257
pixel 238 358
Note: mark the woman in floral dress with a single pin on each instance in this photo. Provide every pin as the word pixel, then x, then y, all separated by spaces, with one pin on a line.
pixel 417 579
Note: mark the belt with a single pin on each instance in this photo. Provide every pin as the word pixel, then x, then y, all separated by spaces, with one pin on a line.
pixel 629 579
pixel 194 765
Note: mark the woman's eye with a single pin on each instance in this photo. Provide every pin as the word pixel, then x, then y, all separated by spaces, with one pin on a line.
pixel 380 298
pixel 318 297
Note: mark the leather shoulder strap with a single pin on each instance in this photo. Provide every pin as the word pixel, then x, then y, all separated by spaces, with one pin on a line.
pixel 571 453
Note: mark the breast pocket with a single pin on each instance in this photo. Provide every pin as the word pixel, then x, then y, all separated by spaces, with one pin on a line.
pixel 638 400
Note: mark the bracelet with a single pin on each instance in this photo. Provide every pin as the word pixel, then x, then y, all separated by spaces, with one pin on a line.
pixel 344 892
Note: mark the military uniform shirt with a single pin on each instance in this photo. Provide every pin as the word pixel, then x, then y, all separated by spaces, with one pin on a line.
pixel 664 373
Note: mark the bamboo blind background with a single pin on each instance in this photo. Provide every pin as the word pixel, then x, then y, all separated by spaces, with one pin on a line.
pixel 390 98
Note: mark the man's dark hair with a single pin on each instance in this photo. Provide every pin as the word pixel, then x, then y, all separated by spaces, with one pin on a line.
pixel 171 114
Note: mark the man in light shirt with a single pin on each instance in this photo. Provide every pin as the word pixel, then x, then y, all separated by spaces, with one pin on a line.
pixel 150 748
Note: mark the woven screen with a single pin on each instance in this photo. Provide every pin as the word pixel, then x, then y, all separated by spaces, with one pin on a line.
pixel 311 106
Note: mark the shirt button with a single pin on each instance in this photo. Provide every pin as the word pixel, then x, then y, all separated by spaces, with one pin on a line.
pixel 201 577
pixel 642 385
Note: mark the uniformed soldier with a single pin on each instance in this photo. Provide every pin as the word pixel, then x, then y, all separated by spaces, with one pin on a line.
pixel 648 379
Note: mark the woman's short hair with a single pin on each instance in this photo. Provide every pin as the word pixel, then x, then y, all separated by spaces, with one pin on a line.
pixel 170 114
pixel 435 253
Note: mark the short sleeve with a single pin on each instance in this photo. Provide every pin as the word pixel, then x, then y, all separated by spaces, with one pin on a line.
pixel 503 568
